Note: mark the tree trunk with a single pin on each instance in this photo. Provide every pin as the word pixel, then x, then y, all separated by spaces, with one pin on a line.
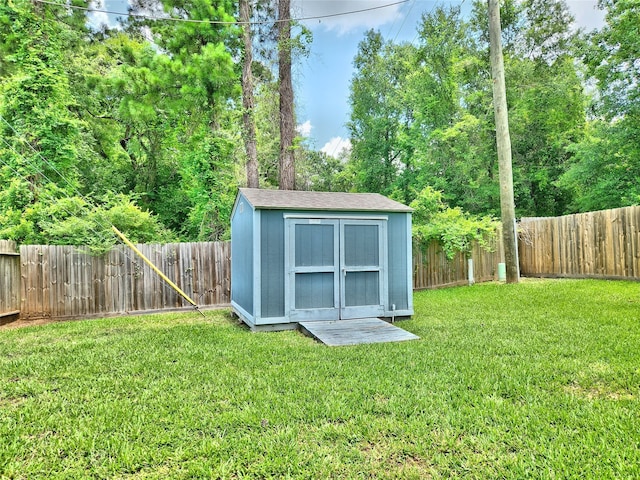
pixel 247 98
pixel 507 206
pixel 287 174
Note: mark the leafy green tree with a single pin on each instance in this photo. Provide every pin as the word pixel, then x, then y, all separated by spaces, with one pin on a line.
pixel 41 136
pixel 446 137
pixel 248 103
pixel 69 118
pixel 320 172
pixel 547 116
pixel 210 185
pixel 384 118
pixel 612 59
pixel 462 163
pixel 417 104
pixel 266 116
pixel 95 70
pixel 374 118
pixel 545 98
pixel 422 115
pixel 605 172
pixel 43 141
pixel 547 108
pixel 71 220
pixel 178 102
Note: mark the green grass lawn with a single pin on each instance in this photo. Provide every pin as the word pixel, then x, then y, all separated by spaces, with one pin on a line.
pixel 535 380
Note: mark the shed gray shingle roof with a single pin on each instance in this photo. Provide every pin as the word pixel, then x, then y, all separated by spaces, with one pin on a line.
pixel 302 200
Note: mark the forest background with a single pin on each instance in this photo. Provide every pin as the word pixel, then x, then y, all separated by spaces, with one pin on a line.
pixel 141 126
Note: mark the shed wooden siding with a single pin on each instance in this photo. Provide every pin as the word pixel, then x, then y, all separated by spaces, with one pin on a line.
pixel 400 245
pixel 242 256
pixel 272 259
pixel 272 263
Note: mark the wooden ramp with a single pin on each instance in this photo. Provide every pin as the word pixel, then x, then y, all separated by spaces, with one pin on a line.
pixel 355 332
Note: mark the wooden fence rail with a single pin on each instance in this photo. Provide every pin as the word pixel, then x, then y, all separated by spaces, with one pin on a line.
pixel 603 244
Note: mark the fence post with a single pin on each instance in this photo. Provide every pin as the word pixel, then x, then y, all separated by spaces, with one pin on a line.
pixel 9 282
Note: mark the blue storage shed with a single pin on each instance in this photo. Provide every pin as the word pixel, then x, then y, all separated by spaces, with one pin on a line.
pixel 306 256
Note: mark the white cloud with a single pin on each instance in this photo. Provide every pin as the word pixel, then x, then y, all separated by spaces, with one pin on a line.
pixel 98 19
pixel 343 22
pixel 336 146
pixel 304 129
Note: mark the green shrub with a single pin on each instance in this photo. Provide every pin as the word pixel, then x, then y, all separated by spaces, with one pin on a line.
pixel 64 220
pixel 455 229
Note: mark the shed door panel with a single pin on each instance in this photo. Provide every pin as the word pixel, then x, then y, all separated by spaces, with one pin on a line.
pixel 313 270
pixel 314 290
pixel 361 288
pixel 361 262
pixel 314 245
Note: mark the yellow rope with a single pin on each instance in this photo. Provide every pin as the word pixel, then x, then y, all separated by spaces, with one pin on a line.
pixel 155 269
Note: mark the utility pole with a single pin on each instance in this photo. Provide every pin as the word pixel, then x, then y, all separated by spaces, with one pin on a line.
pixel 507 204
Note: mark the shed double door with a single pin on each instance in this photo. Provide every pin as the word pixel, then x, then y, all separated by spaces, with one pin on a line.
pixel 336 268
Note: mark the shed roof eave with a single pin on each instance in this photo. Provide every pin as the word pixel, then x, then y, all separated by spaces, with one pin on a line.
pixel 321 201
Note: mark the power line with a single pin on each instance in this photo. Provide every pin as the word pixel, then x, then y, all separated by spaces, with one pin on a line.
pixel 88 203
pixel 50 196
pixel 220 22
pixel 404 20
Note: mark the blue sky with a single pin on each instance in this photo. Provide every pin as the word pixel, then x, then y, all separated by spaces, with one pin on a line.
pixel 322 80
pixel 322 83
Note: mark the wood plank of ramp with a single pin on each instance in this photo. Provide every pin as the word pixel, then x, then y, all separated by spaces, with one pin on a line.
pixel 355 332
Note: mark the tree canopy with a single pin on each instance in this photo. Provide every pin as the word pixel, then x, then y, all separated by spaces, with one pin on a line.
pixel 141 126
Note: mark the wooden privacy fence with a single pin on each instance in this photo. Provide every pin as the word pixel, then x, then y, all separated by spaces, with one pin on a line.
pixel 432 268
pixel 63 282
pixel 603 244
